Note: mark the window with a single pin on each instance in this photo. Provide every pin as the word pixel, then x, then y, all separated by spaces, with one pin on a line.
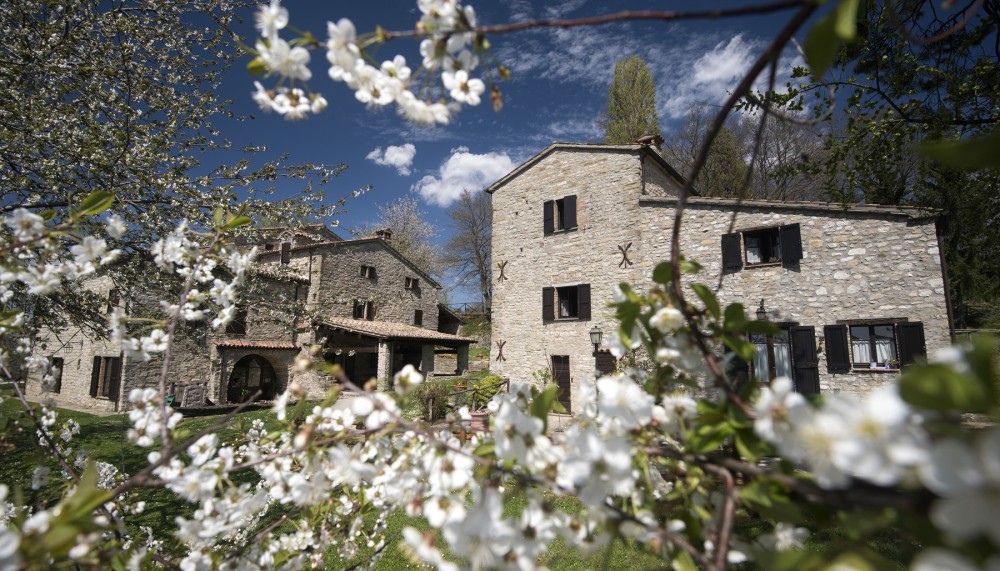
pixel 418 317
pixel 873 344
pixel 761 246
pixel 238 326
pixel 772 356
pixel 56 370
pixel 412 283
pixel 561 377
pixel 567 302
pixel 286 252
pixel 368 271
pixel 791 353
pixel 105 377
pixel 559 214
pixel 268 247
pixel 364 309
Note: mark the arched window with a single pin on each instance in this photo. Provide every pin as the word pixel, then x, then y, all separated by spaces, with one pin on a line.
pixel 251 374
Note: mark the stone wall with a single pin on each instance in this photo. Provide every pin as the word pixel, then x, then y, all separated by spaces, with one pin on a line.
pixel 867 264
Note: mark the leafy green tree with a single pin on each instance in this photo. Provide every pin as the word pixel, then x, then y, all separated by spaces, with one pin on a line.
pixel 724 168
pixel 631 103
pixel 916 74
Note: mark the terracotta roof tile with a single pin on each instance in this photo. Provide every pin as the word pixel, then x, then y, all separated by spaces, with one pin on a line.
pixel 390 330
pixel 240 343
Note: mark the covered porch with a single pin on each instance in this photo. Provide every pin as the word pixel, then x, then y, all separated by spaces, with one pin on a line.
pixel 379 349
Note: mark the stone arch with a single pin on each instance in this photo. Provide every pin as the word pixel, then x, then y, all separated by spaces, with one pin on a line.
pixel 250 374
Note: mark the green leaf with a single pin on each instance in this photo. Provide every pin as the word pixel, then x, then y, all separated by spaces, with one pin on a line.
pixel 735 316
pixel 256 67
pixel 761 327
pixel 486 449
pixel 542 404
pixel 750 446
pixel 237 221
pixel 682 562
pixel 707 297
pixel 744 349
pixel 940 387
pixel 663 273
pixel 973 153
pixel 709 437
pixel 828 34
pixel 218 216
pixel 96 202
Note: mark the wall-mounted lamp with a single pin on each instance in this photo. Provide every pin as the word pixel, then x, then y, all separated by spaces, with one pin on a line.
pixel 761 312
pixel 596 334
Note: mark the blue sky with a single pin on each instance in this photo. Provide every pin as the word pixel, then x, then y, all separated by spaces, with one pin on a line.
pixel 559 86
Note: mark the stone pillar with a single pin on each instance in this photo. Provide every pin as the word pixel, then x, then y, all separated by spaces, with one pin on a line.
pixel 384 373
pixel 462 357
pixel 427 359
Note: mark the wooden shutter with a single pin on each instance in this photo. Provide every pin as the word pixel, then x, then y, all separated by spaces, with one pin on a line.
pixel 911 342
pixel 548 209
pixel 286 249
pixel 569 212
pixel 791 243
pixel 737 369
pixel 115 378
pixel 583 301
pixel 606 363
pixel 95 376
pixel 370 311
pixel 732 257
pixel 838 358
pixel 548 303
pixel 418 317
pixel 805 371
pixel 560 375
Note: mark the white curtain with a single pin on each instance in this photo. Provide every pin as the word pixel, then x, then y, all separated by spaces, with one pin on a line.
pixel 782 358
pixel 753 249
pixel 760 365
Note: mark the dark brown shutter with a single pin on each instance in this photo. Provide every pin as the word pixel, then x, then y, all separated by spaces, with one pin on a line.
pixel 548 303
pixel 569 212
pixel 95 376
pixel 838 358
pixel 605 362
pixel 286 249
pixel 116 377
pixel 418 317
pixel 370 311
pixel 911 342
pixel 560 374
pixel 805 370
pixel 791 243
pixel 548 209
pixel 583 301
pixel 732 257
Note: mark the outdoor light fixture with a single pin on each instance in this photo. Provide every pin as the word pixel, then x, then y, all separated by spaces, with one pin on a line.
pixel 595 337
pixel 761 312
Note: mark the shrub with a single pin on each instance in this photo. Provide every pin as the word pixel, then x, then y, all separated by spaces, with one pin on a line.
pixel 433 398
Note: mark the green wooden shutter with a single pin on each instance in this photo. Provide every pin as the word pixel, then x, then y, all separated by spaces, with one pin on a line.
pixel 732 257
pixel 791 243
pixel 805 371
pixel 569 212
pixel 583 301
pixel 548 303
pixel 838 358
pixel 548 209
pixel 911 342
pixel 95 376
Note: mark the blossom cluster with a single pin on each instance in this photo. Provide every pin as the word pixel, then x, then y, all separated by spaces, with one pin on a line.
pixel 449 52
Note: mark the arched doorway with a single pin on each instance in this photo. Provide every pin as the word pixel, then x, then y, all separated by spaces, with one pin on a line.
pixel 251 374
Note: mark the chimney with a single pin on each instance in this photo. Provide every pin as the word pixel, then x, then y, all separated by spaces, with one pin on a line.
pixel 385 234
pixel 655 140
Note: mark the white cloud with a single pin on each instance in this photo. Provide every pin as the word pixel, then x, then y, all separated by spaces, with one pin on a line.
pixel 462 171
pixel 399 158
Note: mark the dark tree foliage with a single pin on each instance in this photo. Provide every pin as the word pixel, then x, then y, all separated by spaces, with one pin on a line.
pixel 631 103
pixel 916 73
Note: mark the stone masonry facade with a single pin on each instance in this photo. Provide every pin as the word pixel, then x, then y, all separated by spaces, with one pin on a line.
pixel 859 265
pixel 313 269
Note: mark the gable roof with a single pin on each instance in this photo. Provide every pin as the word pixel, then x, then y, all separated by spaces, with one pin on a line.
pixel 357 242
pixel 635 148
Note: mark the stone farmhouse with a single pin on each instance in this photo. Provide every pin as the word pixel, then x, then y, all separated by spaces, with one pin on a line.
pixel 371 309
pixel 858 290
